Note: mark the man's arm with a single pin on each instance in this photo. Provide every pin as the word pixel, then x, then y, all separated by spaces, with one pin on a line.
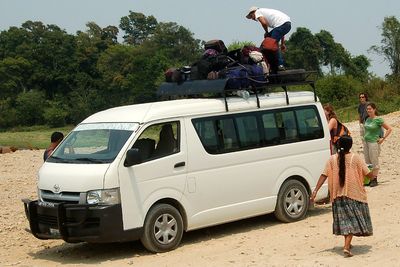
pixel 264 23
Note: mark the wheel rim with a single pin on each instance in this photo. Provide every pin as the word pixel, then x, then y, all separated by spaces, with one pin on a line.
pixel 165 229
pixel 294 202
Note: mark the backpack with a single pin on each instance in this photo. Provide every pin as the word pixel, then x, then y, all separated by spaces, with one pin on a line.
pixel 202 67
pixel 217 45
pixel 341 130
pixel 243 77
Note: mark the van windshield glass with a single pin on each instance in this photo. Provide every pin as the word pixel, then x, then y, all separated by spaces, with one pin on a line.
pixel 93 143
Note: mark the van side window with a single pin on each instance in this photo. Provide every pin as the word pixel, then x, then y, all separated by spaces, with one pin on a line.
pixel 158 140
pixel 309 124
pixel 248 130
pixel 233 132
pixel 227 134
pixel 271 131
pixel 288 126
pixel 206 129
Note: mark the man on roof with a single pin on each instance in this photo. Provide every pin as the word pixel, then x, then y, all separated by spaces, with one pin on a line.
pixel 276 20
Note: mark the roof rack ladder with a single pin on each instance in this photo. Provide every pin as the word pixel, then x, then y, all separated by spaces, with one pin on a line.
pixel 258 100
pixel 286 93
pixel 226 101
pixel 315 94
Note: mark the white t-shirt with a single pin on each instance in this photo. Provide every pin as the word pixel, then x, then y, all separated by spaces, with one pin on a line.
pixel 275 18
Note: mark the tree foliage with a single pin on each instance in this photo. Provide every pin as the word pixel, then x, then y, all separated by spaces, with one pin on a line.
pixel 390 44
pixel 137 27
pixel 48 76
pixel 304 51
pixel 320 51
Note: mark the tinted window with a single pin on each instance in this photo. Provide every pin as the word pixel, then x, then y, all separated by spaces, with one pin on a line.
pixel 223 134
pixel 248 131
pixel 309 125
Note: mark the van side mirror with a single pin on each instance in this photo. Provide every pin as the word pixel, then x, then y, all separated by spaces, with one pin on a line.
pixel 132 157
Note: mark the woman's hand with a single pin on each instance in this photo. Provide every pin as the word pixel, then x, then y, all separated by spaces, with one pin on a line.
pixel 313 195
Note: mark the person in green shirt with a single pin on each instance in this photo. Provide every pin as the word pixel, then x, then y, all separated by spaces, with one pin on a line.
pixel 373 140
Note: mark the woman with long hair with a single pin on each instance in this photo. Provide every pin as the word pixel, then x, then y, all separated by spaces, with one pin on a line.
pixel 373 139
pixel 345 172
pixel 332 123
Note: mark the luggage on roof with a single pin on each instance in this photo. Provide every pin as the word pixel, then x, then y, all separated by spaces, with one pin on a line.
pixel 217 45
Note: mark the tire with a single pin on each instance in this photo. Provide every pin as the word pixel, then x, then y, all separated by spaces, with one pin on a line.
pixel 293 202
pixel 163 228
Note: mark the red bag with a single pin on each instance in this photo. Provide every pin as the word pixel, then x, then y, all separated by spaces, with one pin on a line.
pixel 270 44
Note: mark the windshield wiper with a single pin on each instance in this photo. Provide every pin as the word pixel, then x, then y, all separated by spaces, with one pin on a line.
pixel 58 159
pixel 90 160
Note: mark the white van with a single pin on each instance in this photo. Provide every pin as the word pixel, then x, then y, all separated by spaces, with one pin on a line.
pixel 153 171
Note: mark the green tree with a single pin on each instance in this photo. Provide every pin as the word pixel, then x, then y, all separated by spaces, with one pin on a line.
pixel 175 42
pixel 333 55
pixel 137 27
pixel 358 67
pixel 131 74
pixel 328 50
pixel 14 76
pixel 390 44
pixel 304 51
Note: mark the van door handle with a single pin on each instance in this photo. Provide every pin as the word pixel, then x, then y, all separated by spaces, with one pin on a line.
pixel 180 164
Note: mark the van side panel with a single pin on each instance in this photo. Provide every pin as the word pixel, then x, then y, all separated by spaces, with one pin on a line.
pixel 229 186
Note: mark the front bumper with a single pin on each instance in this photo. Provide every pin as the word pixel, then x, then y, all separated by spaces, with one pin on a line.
pixel 78 222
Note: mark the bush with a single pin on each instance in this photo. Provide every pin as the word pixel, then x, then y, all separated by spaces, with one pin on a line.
pixel 29 108
pixel 8 115
pixel 55 117
pixel 340 91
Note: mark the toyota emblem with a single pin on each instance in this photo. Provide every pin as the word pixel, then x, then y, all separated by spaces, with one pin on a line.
pixel 56 188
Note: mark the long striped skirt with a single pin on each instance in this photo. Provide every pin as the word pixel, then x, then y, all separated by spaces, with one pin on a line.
pixel 351 217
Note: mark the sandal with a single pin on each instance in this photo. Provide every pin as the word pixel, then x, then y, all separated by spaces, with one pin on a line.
pixel 347 253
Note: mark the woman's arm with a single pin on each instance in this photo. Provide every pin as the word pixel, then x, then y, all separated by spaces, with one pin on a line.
pixel 320 182
pixel 332 124
pixel 388 131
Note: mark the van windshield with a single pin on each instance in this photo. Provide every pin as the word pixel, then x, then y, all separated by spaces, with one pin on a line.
pixel 93 143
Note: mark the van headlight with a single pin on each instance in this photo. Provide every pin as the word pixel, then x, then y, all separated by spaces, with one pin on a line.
pixel 103 197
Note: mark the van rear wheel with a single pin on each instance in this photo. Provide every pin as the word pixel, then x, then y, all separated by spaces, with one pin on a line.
pixel 293 202
pixel 163 228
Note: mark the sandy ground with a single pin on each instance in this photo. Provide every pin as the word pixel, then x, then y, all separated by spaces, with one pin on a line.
pixel 260 241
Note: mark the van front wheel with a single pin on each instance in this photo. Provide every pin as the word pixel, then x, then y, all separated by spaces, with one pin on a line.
pixel 293 202
pixel 163 228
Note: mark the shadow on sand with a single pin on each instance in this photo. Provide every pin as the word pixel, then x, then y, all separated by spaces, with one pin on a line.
pixel 356 250
pixel 96 253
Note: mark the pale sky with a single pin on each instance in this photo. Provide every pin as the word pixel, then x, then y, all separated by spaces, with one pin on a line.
pixel 353 23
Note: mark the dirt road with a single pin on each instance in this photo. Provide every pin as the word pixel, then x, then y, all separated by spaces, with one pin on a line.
pixel 260 241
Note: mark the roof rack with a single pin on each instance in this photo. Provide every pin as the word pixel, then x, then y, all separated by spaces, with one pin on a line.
pixel 217 87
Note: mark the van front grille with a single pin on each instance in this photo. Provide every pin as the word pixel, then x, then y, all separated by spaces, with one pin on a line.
pixel 63 197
